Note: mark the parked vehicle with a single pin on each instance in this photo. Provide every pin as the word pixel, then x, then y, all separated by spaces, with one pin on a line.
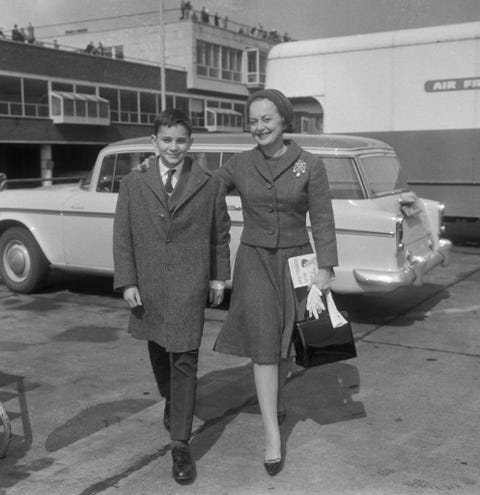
pixel 416 89
pixel 387 236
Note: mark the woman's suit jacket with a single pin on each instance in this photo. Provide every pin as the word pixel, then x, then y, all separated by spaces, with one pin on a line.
pixel 170 248
pixel 275 207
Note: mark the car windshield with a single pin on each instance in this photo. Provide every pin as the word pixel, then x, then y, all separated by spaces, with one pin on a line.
pixel 383 175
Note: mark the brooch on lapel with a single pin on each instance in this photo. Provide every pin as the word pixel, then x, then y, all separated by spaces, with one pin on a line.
pixel 299 168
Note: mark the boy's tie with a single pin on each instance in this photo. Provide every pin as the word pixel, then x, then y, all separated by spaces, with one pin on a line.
pixel 168 183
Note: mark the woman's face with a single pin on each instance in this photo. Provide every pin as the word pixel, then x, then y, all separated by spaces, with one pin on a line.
pixel 266 125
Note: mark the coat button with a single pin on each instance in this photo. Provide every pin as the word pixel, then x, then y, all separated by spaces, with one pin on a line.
pixel 269 208
pixel 161 216
pixel 168 240
pixel 268 185
pixel 270 230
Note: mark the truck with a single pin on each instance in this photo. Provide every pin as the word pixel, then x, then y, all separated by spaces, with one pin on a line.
pixel 415 89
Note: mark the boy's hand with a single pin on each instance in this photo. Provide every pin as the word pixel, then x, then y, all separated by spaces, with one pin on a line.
pixel 216 292
pixel 132 296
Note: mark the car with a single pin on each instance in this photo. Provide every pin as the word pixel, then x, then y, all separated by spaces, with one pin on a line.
pixel 387 236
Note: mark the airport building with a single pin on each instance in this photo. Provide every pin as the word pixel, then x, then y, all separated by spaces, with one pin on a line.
pixel 66 95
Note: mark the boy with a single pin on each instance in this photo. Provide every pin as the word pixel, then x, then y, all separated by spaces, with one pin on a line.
pixel 170 238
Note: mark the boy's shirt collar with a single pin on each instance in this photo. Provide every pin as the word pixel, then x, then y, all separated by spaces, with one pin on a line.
pixel 163 169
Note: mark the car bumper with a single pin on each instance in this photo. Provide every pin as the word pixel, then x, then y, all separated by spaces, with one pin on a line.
pixel 380 281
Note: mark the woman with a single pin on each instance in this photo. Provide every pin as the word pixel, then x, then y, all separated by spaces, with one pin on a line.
pixel 278 183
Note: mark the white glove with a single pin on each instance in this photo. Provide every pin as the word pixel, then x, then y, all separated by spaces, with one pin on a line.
pixel 314 302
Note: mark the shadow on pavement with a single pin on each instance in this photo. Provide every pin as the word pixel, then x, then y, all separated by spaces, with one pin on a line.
pixel 323 394
pixel 380 309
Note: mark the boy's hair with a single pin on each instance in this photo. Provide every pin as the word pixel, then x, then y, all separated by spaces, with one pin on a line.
pixel 170 117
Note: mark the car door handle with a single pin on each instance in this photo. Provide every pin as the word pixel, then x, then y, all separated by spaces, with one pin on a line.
pixel 234 207
pixel 77 207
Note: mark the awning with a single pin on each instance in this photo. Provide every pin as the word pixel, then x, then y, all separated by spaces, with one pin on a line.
pixel 78 108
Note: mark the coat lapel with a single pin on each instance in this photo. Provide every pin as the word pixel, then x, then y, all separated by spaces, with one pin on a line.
pixel 154 181
pixel 193 177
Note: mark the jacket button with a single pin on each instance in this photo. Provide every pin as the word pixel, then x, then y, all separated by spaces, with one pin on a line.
pixel 269 208
pixel 161 216
pixel 268 185
pixel 270 230
pixel 168 240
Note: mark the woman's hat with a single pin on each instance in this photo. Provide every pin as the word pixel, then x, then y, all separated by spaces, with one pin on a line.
pixel 278 99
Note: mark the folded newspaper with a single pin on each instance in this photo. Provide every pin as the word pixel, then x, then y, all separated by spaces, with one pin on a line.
pixel 302 269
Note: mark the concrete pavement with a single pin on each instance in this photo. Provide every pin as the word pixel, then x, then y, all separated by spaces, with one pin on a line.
pixel 400 419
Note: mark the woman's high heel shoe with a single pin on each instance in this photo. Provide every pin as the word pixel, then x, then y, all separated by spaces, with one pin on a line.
pixel 274 466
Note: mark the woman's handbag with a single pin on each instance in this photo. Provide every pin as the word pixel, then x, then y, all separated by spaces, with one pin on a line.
pixel 317 341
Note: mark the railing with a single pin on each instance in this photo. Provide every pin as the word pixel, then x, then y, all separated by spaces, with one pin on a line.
pixel 19 109
pixel 38 110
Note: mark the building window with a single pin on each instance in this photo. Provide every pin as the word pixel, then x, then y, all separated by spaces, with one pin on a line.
pixel 148 108
pixel 36 97
pixel 113 51
pixel 128 106
pixel 224 120
pixel 80 108
pixel 219 62
pixel 256 62
pixel 87 90
pixel 10 95
pixel 59 86
pixel 197 112
pixel 111 94
pixel 182 103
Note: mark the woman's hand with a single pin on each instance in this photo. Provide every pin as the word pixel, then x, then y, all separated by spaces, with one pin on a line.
pixel 144 166
pixel 322 280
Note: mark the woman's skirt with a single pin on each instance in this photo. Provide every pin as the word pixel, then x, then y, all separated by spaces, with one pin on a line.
pixel 263 306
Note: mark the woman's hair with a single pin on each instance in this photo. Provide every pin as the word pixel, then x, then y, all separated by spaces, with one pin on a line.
pixel 282 103
pixel 170 117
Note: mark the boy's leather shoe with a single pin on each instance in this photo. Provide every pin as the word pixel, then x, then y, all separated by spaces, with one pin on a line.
pixel 183 468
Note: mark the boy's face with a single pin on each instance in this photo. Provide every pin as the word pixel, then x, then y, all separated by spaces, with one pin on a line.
pixel 172 144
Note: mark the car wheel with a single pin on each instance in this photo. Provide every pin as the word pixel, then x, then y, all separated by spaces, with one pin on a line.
pixel 23 265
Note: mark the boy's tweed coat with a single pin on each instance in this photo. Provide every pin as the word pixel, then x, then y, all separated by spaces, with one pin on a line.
pixel 170 248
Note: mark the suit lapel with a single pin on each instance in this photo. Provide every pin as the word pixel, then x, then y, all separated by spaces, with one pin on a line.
pixel 261 164
pixel 291 155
